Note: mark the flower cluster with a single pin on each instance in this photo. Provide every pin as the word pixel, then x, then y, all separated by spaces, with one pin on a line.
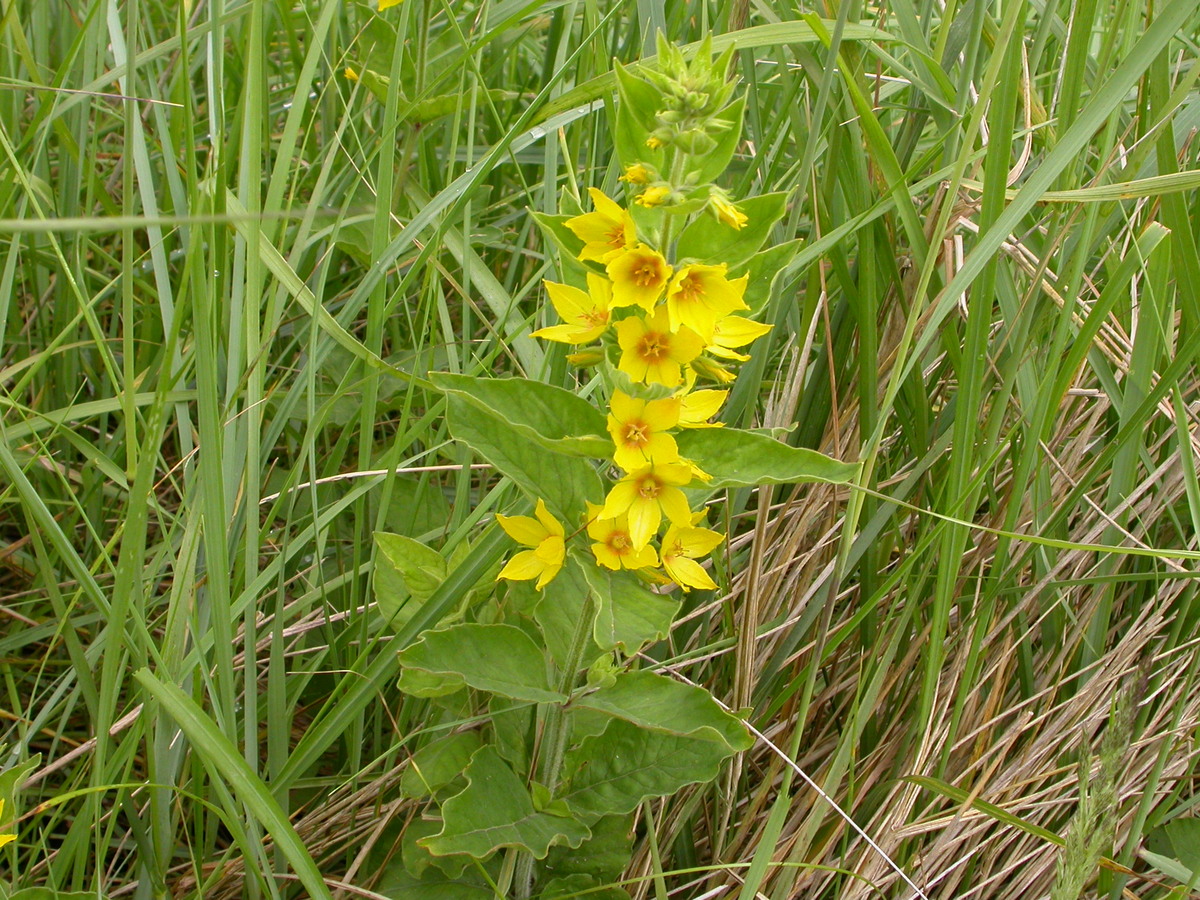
pixel 657 324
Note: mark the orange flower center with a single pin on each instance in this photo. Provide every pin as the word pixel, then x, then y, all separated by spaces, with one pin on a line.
pixel 649 487
pixel 653 346
pixel 646 273
pixel 691 289
pixel 619 543
pixel 637 433
pixel 616 237
pixel 595 318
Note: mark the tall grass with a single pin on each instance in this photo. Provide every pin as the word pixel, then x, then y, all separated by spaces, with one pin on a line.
pixel 225 268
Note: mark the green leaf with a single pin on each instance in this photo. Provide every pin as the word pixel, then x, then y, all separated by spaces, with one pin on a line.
pixel 416 508
pixel 565 482
pixel 710 241
pixel 736 458
pixel 764 268
pixel 569 887
pixel 42 893
pixel 552 417
pixel 615 771
pixel 438 763
pixel 657 703
pixel 495 811
pixel 559 607
pixel 569 246
pixel 513 724
pixel 628 613
pixel 639 101
pixel 712 164
pixel 499 659
pixel 1179 840
pixel 404 569
pixel 603 856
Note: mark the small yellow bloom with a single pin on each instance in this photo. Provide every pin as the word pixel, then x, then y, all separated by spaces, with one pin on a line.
pixel 697 407
pixel 614 547
pixel 639 428
pixel 734 331
pixel 350 74
pixel 639 275
pixel 645 495
pixel 606 231
pixel 653 143
pixel 9 838
pixel 636 174
pixel 698 296
pixel 584 315
pixel 650 353
pixel 653 196
pixel 388 4
pixel 546 535
pixel 726 212
pixel 681 547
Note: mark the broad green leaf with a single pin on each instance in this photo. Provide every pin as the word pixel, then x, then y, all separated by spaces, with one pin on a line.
pixel 499 659
pixel 513 724
pixel 569 247
pixel 495 811
pixel 560 606
pixel 711 165
pixel 1178 840
pixel 416 508
pixel 566 483
pixel 405 570
pixel 736 458
pixel 763 268
pixel 639 101
pixel 603 856
pixel 568 887
pixel 657 703
pixel 710 241
pixel 552 417
pixel 628 614
pixel 615 771
pixel 438 763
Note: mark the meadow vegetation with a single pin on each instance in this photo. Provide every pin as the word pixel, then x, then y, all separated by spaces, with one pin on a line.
pixel 238 240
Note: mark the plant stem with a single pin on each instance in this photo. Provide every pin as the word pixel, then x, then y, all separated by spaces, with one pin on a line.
pixel 556 731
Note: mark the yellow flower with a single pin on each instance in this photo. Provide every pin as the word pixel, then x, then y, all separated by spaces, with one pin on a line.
pixel 546 535
pixel 726 212
pixel 734 331
pixel 9 838
pixel 585 315
pixel 606 231
pixel 653 143
pixel 350 74
pixel 645 495
pixel 636 174
pixel 614 547
pixel 650 353
pixel 387 4
pixel 653 196
pixel 639 430
pixel 681 547
pixel 698 296
pixel 638 275
pixel 697 407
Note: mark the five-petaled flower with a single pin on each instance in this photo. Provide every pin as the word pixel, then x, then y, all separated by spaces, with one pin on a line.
pixel 645 495
pixel 545 535
pixel 640 430
pixel 699 296
pixel 682 545
pixel 650 353
pixel 584 313
pixel 638 275
pixel 606 231
pixel 613 547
